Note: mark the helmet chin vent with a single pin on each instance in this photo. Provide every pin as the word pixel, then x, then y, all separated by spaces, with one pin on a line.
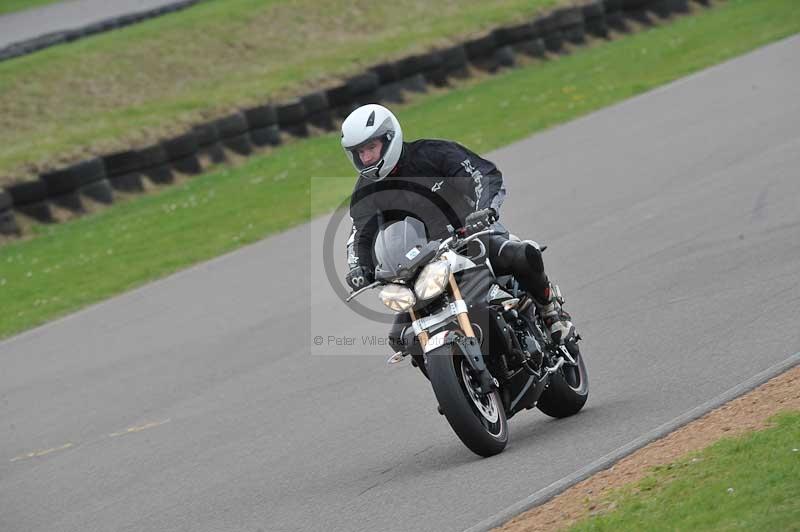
pixel 373 172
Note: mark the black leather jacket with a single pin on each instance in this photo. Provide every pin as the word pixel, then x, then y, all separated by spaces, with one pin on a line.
pixel 437 181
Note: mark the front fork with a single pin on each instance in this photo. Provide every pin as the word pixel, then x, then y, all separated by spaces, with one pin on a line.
pixel 467 343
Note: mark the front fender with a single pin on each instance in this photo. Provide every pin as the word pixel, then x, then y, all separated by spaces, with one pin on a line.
pixel 467 347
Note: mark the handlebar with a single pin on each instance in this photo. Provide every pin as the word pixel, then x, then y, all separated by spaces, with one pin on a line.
pixel 453 241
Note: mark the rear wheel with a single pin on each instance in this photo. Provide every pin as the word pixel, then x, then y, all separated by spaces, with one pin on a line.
pixel 478 420
pixel 568 389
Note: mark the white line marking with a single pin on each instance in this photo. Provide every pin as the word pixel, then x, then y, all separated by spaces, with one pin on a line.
pixel 138 428
pixel 35 454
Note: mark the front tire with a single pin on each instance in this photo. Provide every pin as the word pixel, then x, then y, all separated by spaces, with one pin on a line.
pixel 568 389
pixel 479 421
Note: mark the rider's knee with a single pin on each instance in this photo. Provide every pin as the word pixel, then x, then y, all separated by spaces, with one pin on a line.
pixel 520 255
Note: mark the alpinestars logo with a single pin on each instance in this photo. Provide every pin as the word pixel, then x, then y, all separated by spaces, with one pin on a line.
pixel 436 186
pixel 477 176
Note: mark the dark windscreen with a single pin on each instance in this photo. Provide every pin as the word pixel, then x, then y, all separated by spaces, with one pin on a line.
pixel 398 243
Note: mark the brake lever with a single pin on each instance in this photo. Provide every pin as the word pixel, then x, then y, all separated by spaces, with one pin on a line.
pixel 361 290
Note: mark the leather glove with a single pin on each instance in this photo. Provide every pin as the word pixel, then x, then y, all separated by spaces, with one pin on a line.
pixel 479 220
pixel 359 277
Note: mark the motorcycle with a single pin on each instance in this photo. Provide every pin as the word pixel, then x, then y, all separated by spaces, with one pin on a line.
pixel 476 336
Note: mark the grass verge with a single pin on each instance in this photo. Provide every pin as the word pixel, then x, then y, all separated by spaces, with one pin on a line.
pixel 126 87
pixel 10 6
pixel 68 266
pixel 747 483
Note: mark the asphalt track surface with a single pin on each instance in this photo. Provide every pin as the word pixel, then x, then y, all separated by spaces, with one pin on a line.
pixel 200 403
pixel 67 15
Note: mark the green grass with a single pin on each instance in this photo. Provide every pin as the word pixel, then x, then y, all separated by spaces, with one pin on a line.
pixel 9 6
pixel 748 483
pixel 126 87
pixel 71 265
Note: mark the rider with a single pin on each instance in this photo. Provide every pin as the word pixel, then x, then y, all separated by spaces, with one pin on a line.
pixel 441 183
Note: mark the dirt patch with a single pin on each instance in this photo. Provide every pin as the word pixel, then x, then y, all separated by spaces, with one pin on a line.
pixel 590 497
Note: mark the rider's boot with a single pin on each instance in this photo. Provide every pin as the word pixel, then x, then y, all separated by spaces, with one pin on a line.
pixel 555 318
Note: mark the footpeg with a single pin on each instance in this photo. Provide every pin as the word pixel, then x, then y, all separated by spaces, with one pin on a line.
pixel 556 367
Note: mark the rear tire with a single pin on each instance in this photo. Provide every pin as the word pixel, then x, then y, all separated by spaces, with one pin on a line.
pixel 568 389
pixel 483 429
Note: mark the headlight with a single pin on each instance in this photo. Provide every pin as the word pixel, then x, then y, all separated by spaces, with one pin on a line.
pixel 396 297
pixel 432 279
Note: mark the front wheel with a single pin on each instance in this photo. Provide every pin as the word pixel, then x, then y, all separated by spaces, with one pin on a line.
pixel 568 389
pixel 478 420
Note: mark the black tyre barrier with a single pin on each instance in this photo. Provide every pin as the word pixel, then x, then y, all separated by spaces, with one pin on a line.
pixel 363 88
pixel 8 223
pixel 532 48
pixel 594 17
pixel 437 77
pixel 68 180
pixel 481 51
pixel 160 174
pixel 322 120
pixel 5 200
pixel 661 8
pixel 266 136
pixel 637 10
pixel 180 147
pixel 232 125
pixel 208 142
pixel 614 16
pixel 551 34
pixel 90 170
pixel 418 64
pixel 315 102
pixel 362 84
pixel 455 62
pixel 39 211
pixel 123 162
pixel 131 182
pixel 71 202
pixel 99 191
pixel 27 192
pixel 318 112
pixel 297 130
pixel 390 92
pixel 415 83
pixel 666 8
pixel 480 48
pixel 387 73
pixel 504 56
pixel 153 156
pixel 214 153
pixel 241 144
pixel 338 96
pixel 187 165
pixel 291 112
pixel 571 25
pixel 206 134
pixel 60 181
pixel 261 116
pixel 514 34
pixel 291 118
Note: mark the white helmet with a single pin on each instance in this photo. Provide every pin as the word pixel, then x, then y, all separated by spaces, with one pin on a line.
pixel 370 122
